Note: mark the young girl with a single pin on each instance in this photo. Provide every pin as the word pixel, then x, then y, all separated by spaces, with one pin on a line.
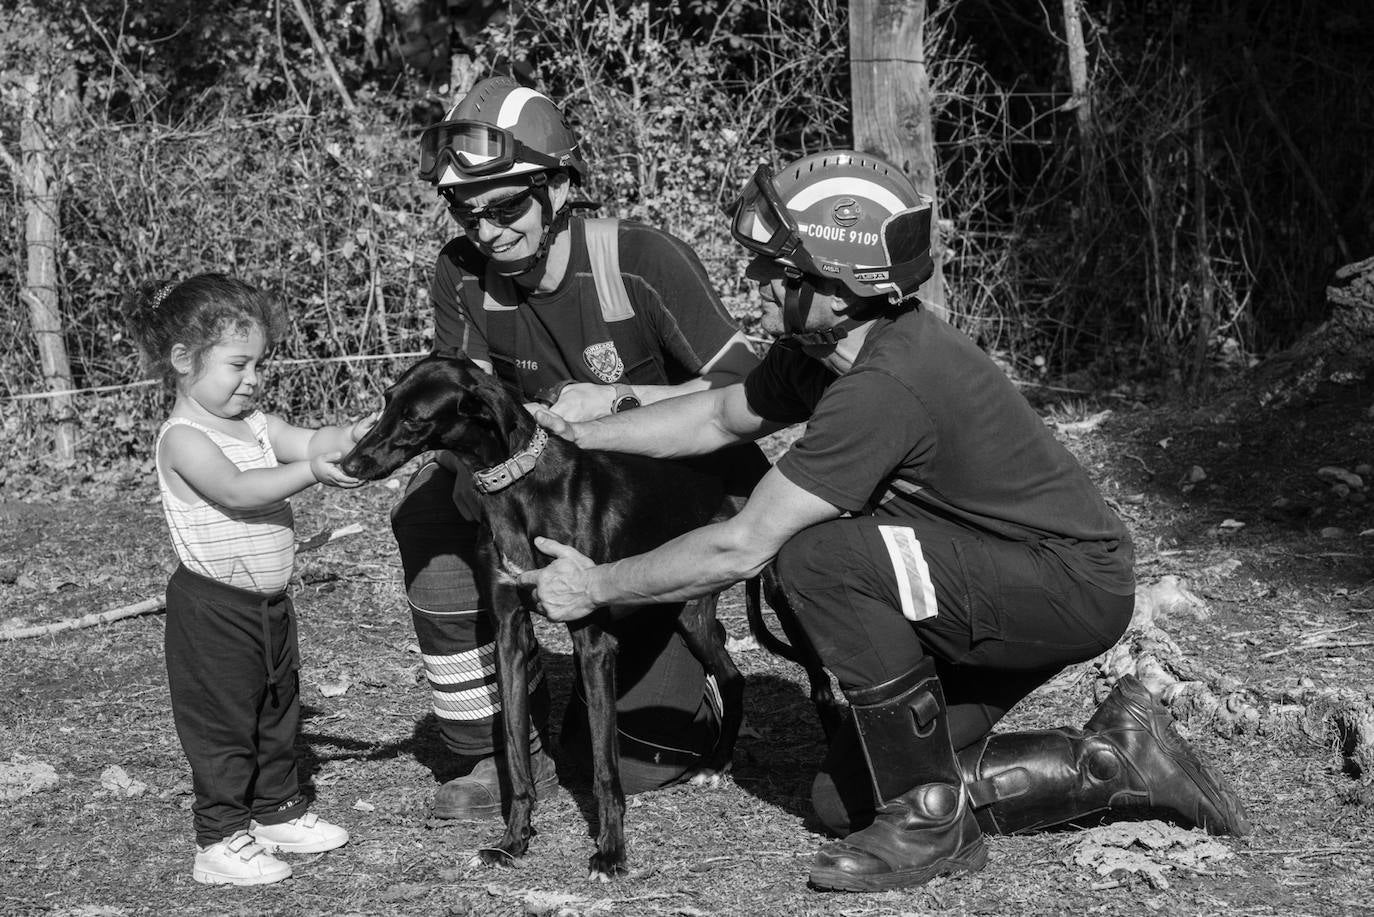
pixel 226 471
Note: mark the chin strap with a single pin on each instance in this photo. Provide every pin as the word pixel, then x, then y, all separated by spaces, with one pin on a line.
pixel 553 225
pixel 499 477
pixel 797 301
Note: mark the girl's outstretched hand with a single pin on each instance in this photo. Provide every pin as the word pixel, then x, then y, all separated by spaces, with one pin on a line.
pixel 327 471
pixel 358 429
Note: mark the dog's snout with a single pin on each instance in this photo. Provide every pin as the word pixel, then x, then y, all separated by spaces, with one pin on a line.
pixel 352 464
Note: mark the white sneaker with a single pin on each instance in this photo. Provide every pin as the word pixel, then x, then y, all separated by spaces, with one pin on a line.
pixel 236 860
pixel 307 834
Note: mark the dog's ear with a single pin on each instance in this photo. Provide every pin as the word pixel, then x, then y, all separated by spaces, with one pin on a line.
pixel 471 407
pixel 499 406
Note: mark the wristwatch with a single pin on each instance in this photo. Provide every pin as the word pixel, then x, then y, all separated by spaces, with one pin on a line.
pixel 624 398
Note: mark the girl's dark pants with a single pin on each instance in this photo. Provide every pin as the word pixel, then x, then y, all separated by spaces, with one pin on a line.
pixel 232 662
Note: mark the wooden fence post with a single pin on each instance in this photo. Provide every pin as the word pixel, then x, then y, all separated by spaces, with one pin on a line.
pixel 892 105
pixel 47 100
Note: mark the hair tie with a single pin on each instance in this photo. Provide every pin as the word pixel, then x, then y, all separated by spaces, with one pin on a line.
pixel 161 294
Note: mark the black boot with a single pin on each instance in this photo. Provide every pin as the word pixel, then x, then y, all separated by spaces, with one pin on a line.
pixel 924 827
pixel 1128 758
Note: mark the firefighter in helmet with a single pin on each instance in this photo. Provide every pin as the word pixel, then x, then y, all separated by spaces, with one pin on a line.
pixel 943 553
pixel 591 316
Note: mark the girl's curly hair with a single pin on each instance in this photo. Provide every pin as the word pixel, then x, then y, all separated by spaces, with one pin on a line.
pixel 196 313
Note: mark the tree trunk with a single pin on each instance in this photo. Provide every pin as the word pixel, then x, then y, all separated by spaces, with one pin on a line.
pixel 462 74
pixel 322 51
pixel 1206 300
pixel 892 105
pixel 42 236
pixel 1078 80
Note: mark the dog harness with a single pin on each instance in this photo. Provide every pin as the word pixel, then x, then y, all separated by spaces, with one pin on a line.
pixel 499 477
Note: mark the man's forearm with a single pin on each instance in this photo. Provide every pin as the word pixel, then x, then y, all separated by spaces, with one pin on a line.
pixel 652 394
pixel 671 428
pixel 704 560
pixel 698 563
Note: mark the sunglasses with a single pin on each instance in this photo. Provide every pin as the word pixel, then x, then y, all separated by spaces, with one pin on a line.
pixel 502 213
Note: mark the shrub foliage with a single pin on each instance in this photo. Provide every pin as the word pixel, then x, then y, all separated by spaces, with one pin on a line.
pixel 1178 238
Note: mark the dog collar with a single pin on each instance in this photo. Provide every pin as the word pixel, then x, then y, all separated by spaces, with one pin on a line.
pixel 514 468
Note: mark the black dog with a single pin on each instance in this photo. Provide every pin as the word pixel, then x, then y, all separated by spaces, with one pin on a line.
pixel 607 505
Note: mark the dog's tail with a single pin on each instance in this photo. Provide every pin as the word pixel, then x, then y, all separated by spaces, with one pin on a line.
pixel 799 650
pixel 753 610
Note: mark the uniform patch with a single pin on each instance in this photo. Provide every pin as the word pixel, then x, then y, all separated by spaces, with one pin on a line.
pixel 604 361
pixel 913 575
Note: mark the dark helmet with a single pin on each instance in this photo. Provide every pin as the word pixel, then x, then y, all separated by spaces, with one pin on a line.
pixel 498 130
pixel 841 215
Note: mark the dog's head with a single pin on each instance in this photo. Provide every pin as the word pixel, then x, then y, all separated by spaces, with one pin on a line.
pixel 441 402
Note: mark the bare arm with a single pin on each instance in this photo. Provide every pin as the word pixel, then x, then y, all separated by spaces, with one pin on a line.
pixel 694 424
pixel 201 465
pixel 583 401
pixel 702 561
pixel 300 444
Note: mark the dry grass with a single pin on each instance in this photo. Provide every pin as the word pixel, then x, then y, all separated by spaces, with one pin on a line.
pixel 85 700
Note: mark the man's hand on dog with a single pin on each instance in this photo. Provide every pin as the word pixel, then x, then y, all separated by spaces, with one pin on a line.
pixel 560 589
pixel 580 401
pixel 556 424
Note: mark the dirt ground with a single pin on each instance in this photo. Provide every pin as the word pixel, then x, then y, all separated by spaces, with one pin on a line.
pixel 1275 559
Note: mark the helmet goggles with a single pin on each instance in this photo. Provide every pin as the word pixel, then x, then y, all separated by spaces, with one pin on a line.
pixel 475 150
pixel 761 222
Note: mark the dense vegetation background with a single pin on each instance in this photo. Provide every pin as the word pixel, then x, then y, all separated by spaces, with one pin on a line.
pixel 1190 229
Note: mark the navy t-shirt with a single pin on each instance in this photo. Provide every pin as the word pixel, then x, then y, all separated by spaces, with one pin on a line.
pixel 558 335
pixel 925 423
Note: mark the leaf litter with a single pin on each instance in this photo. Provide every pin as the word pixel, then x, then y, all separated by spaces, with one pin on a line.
pixel 1148 849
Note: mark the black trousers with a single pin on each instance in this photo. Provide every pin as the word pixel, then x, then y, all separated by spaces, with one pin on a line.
pixel 232 668
pixel 999 618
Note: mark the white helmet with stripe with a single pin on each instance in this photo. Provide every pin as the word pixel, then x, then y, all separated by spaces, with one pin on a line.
pixel 500 129
pixel 840 215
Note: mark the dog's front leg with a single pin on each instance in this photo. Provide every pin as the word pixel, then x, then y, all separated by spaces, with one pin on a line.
pixel 595 651
pixel 514 642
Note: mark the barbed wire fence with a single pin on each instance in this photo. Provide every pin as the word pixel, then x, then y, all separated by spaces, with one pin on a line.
pixel 1048 267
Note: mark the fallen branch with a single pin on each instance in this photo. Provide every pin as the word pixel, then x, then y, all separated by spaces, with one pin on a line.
pixel 1086 425
pixel 1318 646
pixel 147 606
pixel 322 50
pixel 1187 687
pixel 328 537
pixel 1344 717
